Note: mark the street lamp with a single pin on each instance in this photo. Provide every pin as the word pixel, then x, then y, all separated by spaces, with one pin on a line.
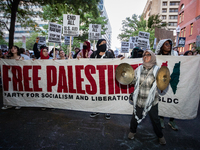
pixel 178 29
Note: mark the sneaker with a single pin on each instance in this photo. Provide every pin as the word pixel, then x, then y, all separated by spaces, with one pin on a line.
pixel 43 108
pixel 107 116
pixel 131 135
pixel 17 107
pixel 94 115
pixel 162 141
pixel 6 107
pixel 162 123
pixel 173 125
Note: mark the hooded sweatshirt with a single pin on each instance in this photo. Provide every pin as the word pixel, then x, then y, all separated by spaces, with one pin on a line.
pixel 160 44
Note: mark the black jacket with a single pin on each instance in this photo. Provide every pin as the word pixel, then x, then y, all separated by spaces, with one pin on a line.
pixel 36 51
pixel 107 55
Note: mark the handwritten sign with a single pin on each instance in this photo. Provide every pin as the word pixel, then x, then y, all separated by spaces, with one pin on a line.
pixel 71 25
pixel 55 31
pixel 124 47
pixel 94 32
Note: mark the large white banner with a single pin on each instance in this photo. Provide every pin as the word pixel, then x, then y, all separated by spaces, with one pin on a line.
pixel 90 85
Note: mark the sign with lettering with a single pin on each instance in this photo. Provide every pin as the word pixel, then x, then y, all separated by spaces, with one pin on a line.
pixel 144 35
pixel 42 41
pixel 94 32
pixel 71 25
pixel 133 41
pixel 67 40
pixel 124 47
pixel 143 43
pixel 55 31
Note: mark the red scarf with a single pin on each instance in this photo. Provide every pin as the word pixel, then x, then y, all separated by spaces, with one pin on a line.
pixel 41 54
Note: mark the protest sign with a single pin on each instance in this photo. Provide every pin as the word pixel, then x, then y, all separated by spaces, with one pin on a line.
pixel 54 34
pixel 125 47
pixel 143 43
pixel 94 32
pixel 71 25
pixel 67 40
pixel 4 48
pixel 42 41
pixel 181 42
pixel 143 35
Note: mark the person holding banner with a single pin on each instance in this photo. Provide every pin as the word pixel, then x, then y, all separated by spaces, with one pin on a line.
pixel 15 54
pixel 77 50
pixel 101 53
pixel 164 47
pixel 86 51
pixel 44 53
pixel 101 50
pixel 145 96
pixel 62 55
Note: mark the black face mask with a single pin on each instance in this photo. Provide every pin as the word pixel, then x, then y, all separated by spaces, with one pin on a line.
pixel 102 48
pixel 84 46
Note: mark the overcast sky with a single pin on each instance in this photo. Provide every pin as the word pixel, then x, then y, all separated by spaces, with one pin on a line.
pixel 118 10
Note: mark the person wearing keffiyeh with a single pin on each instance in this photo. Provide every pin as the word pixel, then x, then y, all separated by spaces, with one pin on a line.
pixel 145 96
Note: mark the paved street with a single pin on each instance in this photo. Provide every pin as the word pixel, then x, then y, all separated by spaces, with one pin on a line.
pixel 34 129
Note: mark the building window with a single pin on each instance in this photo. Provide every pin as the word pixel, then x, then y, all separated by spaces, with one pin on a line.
pixel 191 28
pixel 164 10
pixel 174 3
pixel 181 17
pixel 173 10
pixel 173 17
pixel 172 24
pixel 164 17
pixel 190 46
pixel 182 6
pixel 183 32
pixel 164 3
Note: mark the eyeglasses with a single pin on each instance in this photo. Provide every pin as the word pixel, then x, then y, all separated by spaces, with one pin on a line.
pixel 167 44
pixel 45 51
pixel 147 55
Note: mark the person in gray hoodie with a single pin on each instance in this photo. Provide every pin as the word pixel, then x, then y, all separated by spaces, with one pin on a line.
pixel 164 47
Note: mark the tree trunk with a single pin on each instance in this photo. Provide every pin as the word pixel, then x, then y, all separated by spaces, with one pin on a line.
pixel 14 8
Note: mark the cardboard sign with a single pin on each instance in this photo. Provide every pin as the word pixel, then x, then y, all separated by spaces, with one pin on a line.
pixel 67 40
pixel 55 31
pixel 94 32
pixel 42 41
pixel 181 42
pixel 143 43
pixel 71 25
pixel 144 35
pixel 124 47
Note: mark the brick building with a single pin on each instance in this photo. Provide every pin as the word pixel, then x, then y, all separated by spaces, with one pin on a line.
pixel 189 22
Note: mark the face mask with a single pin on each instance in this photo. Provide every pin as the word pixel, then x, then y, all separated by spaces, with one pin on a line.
pixel 84 46
pixel 102 48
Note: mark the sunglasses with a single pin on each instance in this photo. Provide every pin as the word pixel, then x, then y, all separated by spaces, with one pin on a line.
pixel 147 55
pixel 45 51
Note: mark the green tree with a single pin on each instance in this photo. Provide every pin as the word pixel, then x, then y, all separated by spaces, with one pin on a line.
pixel 3 42
pixel 20 11
pixel 31 40
pixel 132 26
pixel 86 18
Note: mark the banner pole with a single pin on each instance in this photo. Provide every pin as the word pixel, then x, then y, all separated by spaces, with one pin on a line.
pixel 70 46
pixel 54 51
pixel 94 45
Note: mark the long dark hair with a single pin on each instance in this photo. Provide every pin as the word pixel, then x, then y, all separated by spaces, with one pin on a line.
pixel 18 51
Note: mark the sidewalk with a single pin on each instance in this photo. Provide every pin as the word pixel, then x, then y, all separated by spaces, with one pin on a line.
pixel 34 129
